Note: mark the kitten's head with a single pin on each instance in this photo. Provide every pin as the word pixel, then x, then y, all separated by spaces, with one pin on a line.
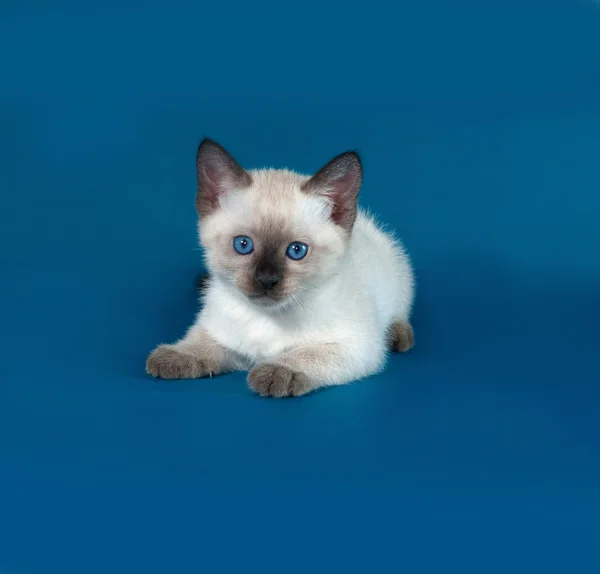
pixel 274 235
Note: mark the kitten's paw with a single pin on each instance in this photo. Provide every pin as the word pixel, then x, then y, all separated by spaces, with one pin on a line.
pixel 401 337
pixel 168 362
pixel 277 381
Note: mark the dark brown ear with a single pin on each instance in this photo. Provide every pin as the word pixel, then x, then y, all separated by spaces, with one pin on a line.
pixel 339 181
pixel 217 173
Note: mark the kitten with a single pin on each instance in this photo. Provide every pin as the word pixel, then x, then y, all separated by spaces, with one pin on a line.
pixel 305 290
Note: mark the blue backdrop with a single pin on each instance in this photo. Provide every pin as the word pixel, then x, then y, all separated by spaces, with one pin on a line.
pixel 479 128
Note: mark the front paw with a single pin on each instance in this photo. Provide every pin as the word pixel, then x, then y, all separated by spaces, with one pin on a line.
pixel 277 381
pixel 168 362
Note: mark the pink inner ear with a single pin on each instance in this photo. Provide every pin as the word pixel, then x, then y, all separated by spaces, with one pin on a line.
pixel 340 182
pixel 218 173
pixel 343 194
pixel 210 188
pixel 344 187
pixel 214 179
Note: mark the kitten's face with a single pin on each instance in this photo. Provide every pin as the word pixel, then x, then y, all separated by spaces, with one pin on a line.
pixel 272 235
pixel 272 241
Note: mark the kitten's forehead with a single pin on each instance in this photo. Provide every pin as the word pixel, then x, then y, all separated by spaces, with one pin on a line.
pixel 276 203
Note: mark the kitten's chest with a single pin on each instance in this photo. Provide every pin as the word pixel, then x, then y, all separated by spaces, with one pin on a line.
pixel 254 336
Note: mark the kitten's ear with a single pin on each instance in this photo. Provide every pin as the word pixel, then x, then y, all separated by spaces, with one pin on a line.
pixel 340 182
pixel 217 173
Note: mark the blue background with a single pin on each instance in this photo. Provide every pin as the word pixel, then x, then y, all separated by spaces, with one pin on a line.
pixel 479 127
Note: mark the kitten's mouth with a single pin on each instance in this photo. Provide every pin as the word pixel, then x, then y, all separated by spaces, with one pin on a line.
pixel 266 299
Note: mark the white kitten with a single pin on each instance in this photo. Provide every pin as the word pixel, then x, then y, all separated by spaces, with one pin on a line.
pixel 305 290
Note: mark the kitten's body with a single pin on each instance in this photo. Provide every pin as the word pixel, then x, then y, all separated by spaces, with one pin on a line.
pixel 337 312
pixel 371 291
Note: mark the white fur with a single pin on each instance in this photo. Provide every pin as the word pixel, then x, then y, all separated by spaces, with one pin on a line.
pixel 336 333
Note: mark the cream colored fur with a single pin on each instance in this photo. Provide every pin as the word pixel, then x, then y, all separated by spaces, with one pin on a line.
pixel 332 328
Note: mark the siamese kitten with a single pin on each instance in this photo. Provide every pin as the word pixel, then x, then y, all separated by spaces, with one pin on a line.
pixel 305 290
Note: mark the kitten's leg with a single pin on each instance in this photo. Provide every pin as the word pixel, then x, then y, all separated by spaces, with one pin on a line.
pixel 306 368
pixel 401 337
pixel 196 355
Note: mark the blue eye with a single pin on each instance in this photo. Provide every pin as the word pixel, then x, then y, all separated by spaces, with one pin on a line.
pixel 297 250
pixel 243 245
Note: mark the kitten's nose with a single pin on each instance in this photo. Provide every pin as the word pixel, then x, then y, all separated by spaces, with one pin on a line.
pixel 267 278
